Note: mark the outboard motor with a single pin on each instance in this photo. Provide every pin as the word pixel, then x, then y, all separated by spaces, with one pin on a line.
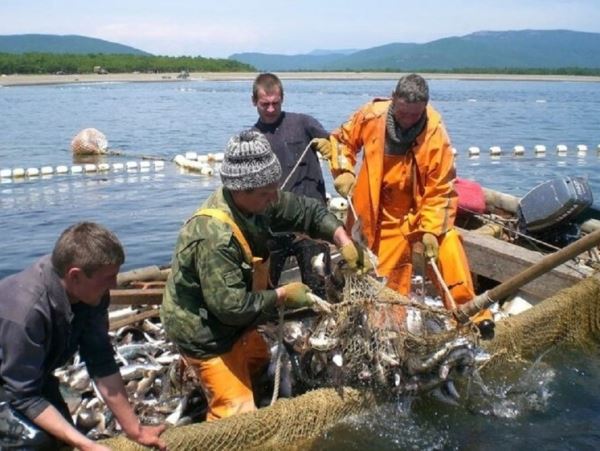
pixel 548 211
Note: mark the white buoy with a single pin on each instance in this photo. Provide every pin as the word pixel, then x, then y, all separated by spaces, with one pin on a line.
pixel 191 155
pixel 62 169
pixel 218 157
pixel 203 158
pixel 539 149
pixel 32 172
pixel 89 141
pixel 47 170
pixel 144 165
pixel 103 167
pixel 338 204
pixel 118 166
pixel 158 165
pixel 5 173
pixel 76 169
pixel 582 150
pixel 90 167
pixel 18 172
pixel 495 150
pixel 474 151
pixel 561 149
pixel 454 151
pixel 207 170
pixel 518 150
pixel 131 165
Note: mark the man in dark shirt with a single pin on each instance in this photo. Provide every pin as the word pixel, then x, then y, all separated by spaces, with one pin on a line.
pixel 50 310
pixel 289 135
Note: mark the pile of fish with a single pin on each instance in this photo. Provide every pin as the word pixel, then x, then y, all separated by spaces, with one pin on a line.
pixel 329 354
pixel 160 389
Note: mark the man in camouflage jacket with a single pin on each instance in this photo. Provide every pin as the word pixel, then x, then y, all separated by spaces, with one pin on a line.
pixel 217 291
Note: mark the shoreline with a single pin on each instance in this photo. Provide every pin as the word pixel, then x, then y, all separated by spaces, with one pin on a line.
pixel 36 80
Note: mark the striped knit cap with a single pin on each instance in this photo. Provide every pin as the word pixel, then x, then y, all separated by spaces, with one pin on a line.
pixel 249 162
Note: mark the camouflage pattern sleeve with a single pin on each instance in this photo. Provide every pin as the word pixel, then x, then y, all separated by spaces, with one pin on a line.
pixel 303 214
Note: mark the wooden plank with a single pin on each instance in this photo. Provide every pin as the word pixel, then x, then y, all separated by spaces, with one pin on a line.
pixel 136 296
pixel 499 260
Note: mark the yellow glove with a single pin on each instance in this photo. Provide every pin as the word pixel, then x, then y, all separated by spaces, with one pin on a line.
pixel 356 257
pixel 323 146
pixel 296 295
pixel 430 243
pixel 344 184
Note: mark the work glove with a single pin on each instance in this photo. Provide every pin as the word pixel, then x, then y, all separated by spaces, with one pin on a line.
pixel 344 184
pixel 430 243
pixel 356 257
pixel 296 295
pixel 322 146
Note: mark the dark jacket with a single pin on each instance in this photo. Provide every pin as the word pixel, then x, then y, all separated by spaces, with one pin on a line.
pixel 208 301
pixel 288 137
pixel 40 330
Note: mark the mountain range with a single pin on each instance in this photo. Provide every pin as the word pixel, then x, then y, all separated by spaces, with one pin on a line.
pixel 524 49
pixel 51 43
pixel 493 50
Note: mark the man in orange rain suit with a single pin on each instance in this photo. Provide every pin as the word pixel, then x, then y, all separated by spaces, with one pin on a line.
pixel 404 192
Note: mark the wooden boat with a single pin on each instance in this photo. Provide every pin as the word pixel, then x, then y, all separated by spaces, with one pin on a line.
pixel 571 316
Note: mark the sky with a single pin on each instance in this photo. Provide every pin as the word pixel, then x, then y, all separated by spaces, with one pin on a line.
pixel 219 28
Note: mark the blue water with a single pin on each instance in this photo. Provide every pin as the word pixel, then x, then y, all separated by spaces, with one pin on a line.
pixel 146 209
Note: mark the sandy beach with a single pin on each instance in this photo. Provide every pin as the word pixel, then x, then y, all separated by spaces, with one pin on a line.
pixel 25 80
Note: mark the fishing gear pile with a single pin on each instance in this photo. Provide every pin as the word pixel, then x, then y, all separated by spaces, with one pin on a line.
pixel 379 338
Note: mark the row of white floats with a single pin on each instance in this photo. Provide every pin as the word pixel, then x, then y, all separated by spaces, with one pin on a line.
pixel 204 164
pixel 129 166
pixel 561 149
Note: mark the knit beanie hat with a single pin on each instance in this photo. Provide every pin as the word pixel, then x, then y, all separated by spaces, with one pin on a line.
pixel 249 162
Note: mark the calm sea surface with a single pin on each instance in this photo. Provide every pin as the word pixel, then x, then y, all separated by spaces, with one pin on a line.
pixel 560 409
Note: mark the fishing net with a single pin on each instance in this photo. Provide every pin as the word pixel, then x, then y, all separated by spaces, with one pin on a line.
pixel 373 344
pixel 572 316
pixel 379 338
pixel 89 141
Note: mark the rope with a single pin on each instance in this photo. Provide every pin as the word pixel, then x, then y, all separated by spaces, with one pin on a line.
pixel 277 377
pixel 295 167
pixel 442 282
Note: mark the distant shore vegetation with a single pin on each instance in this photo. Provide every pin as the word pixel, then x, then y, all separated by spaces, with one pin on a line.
pixel 64 63
pixel 56 63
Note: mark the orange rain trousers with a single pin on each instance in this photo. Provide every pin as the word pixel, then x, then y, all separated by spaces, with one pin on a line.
pixel 227 378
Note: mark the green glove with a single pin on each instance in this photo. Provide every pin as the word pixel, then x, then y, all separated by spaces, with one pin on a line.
pixel 296 295
pixel 344 184
pixel 323 146
pixel 430 243
pixel 356 257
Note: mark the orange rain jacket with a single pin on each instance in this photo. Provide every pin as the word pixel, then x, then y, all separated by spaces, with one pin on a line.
pixel 423 198
pixel 434 201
